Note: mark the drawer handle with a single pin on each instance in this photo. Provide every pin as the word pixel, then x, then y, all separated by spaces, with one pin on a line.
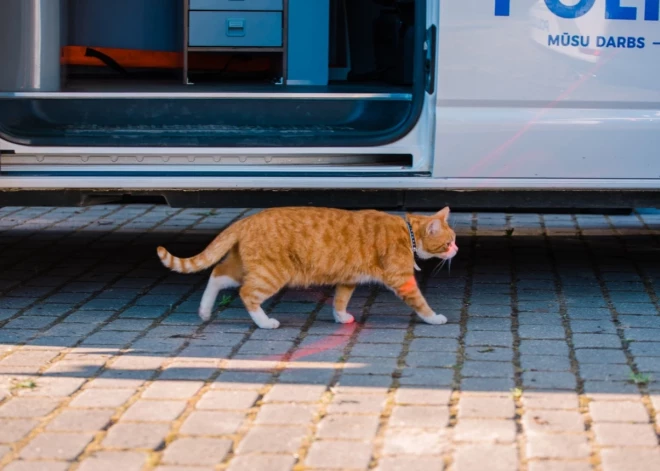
pixel 236 27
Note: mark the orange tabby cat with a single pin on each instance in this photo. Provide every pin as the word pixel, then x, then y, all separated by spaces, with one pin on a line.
pixel 301 247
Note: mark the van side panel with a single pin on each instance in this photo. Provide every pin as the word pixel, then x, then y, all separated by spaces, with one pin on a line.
pixel 539 89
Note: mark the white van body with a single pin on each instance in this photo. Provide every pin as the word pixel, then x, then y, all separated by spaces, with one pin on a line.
pixel 512 108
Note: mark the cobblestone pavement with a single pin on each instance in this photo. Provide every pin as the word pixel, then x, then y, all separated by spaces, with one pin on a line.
pixel 550 361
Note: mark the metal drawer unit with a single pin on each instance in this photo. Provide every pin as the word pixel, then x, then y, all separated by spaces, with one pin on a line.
pixel 235 26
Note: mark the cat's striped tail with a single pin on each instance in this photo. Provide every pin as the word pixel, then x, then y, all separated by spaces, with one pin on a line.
pixel 207 258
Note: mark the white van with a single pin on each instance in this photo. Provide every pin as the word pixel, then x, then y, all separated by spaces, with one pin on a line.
pixel 425 102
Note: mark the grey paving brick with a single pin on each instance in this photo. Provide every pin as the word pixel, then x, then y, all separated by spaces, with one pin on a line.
pixel 600 356
pixel 37 466
pixel 486 385
pixel 432 345
pixel 87 318
pixel 154 411
pixel 485 353
pixel 347 403
pixel 622 434
pixel 539 318
pixel 557 446
pixel 212 423
pixel 588 313
pixel 21 408
pixel 611 390
pixel 163 389
pixel 13 430
pixel 262 463
pixel 485 407
pixel 144 312
pixel 472 457
pixel 648 364
pixel 227 400
pixel 603 372
pixel 549 380
pixel 593 327
pixel 112 460
pixel 419 416
pixel 240 380
pixel 489 338
pixel 487 369
pixel 285 414
pixel 485 430
pixel 489 323
pixel 545 363
pixel 197 451
pixel 630 459
pixel 557 465
pixel 411 463
pixel 618 411
pixel 543 347
pixel 544 332
pixel 344 427
pixel 136 436
pixel 295 393
pixel 60 446
pixel 426 377
pixel 447 331
pixel 79 420
pixel 339 455
pixel 110 398
pixel 645 349
pixel 643 322
pixel 189 370
pixel 425 360
pixel 596 341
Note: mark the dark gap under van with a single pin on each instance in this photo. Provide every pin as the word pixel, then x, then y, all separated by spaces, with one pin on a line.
pixel 211 73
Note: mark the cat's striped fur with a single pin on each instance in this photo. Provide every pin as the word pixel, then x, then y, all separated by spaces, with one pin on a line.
pixel 301 247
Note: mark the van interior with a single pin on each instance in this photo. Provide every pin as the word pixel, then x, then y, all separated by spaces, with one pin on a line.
pixel 211 73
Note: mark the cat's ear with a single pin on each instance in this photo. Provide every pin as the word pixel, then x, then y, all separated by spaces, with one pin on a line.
pixel 443 214
pixel 434 227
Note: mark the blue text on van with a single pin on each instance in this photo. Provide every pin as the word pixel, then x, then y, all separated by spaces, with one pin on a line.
pixel 613 9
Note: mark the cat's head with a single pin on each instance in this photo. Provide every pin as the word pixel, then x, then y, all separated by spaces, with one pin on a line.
pixel 436 238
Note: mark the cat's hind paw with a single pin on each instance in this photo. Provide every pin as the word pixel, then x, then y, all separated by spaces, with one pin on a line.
pixel 343 317
pixel 435 319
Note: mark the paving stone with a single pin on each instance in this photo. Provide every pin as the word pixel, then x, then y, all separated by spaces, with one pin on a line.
pixel 113 460
pixel 645 349
pixel 629 459
pixel 378 350
pixel 239 380
pixel 485 430
pixel 227 400
pixel 486 353
pixel 133 435
pixel 110 398
pixel 550 421
pixel 618 411
pixel 60 446
pixel 489 323
pixel 498 457
pixel 339 455
pixel 294 393
pixel 262 463
pixel 604 372
pixel 172 389
pixel 486 385
pixel 285 414
pixel 37 466
pixel 422 396
pixel 365 384
pixel 548 380
pixel 197 451
pixel 596 341
pixel 600 356
pixel 425 360
pixel 487 369
pixel 621 434
pixel 545 332
pixel 447 331
pixel 414 441
pixel 13 430
pixel 485 407
pixel 78 420
pixel 542 445
pixel 427 377
pixel 419 416
pixel 543 347
pixel 212 423
pixel 20 407
pixel 593 327
pixel 550 400
pixel 556 465
pixel 266 439
pixel 545 363
pixel 491 339
pixel 611 390
pixel 344 403
pixel 411 463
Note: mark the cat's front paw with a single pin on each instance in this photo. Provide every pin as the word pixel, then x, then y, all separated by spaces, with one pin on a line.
pixel 204 313
pixel 269 323
pixel 343 317
pixel 435 319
